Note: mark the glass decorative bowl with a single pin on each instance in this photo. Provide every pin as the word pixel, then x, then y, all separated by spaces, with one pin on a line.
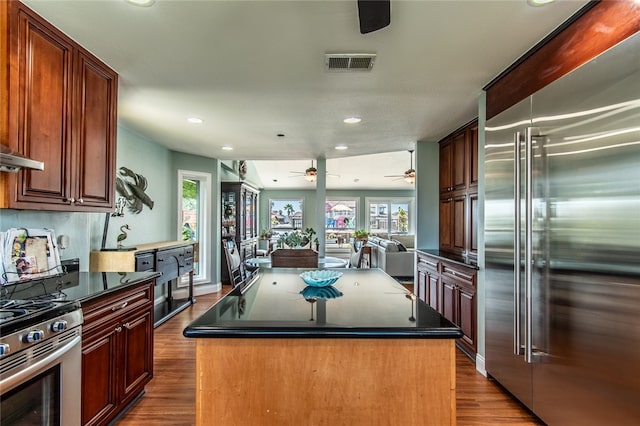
pixel 320 278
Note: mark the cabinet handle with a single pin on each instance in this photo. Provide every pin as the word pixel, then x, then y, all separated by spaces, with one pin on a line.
pixel 118 329
pixel 127 325
pixel 80 201
pixel 160 259
pixel 71 200
pixel 116 308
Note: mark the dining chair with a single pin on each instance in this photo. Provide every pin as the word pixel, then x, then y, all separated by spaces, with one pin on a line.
pixel 235 266
pixel 355 258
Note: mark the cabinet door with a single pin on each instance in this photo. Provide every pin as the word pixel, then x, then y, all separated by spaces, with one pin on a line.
pixel 459 224
pixel 458 161
pixel 422 286
pixel 446 182
pixel 137 353
pixel 40 120
pixel 94 131
pixel 473 225
pixel 467 314
pixel 448 300
pixel 446 224
pixel 472 155
pixel 432 290
pixel 99 366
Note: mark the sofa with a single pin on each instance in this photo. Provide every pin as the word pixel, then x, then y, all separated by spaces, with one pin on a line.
pixel 395 254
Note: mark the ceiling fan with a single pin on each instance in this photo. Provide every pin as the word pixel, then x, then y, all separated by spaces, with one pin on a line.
pixel 311 174
pixel 409 175
pixel 374 15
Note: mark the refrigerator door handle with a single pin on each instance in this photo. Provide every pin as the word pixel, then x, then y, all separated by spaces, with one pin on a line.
pixel 528 249
pixel 517 332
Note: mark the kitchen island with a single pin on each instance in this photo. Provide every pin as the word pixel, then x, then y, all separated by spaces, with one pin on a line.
pixel 363 351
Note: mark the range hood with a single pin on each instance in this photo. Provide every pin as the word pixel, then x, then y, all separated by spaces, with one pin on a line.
pixel 11 161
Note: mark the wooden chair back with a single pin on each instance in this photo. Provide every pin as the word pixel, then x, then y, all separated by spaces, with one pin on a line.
pixel 355 257
pixel 235 266
pixel 294 258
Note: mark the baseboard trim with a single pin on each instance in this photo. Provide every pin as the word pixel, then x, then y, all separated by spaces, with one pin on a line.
pixel 480 367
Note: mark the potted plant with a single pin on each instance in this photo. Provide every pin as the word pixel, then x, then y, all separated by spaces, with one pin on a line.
pixel 361 235
pixel 266 234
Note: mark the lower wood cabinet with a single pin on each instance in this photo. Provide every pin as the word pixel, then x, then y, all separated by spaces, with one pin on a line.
pixel 117 351
pixel 449 287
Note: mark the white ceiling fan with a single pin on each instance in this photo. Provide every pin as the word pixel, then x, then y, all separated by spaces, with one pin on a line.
pixel 311 174
pixel 409 175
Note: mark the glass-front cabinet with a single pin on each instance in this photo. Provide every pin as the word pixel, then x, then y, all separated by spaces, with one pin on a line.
pixel 239 220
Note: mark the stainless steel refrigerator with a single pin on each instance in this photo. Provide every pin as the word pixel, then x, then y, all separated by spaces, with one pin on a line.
pixel 562 244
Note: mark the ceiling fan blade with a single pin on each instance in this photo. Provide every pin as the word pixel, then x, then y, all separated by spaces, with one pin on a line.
pixel 374 15
pixel 395 176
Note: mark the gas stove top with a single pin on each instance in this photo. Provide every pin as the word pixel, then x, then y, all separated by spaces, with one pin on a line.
pixel 17 315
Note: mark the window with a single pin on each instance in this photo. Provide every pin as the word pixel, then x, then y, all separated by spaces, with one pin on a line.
pixel 285 215
pixel 194 209
pixel 341 214
pixel 390 216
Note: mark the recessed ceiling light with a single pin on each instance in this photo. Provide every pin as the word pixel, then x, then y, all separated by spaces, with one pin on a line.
pixel 539 2
pixel 352 120
pixel 341 147
pixel 141 3
pixel 227 148
pixel 195 120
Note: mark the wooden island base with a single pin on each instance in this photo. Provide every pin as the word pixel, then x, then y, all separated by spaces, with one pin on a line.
pixel 325 381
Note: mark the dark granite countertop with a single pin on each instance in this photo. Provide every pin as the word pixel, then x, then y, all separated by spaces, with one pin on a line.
pixel 363 303
pixel 464 261
pixel 75 286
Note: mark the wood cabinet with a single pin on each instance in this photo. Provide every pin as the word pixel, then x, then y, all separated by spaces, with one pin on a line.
pixel 239 221
pixel 450 288
pixel 172 259
pixel 62 112
pixel 117 351
pixel 459 191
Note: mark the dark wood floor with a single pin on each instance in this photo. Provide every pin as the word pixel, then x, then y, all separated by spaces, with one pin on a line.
pixel 170 396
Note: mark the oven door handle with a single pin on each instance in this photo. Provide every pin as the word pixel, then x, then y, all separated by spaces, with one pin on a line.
pixel 39 366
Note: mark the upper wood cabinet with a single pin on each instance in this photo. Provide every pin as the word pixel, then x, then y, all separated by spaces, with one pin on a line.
pixel 62 111
pixel 459 191
pixel 459 159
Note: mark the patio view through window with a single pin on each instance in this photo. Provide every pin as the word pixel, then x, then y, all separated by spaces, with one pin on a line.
pixel 285 215
pixel 389 216
pixel 340 215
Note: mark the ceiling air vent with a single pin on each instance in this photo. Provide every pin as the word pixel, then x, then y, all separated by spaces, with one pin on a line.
pixel 349 62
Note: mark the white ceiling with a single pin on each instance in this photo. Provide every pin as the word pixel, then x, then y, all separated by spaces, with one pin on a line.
pixel 254 69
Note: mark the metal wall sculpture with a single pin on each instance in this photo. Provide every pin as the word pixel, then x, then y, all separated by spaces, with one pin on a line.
pixel 132 187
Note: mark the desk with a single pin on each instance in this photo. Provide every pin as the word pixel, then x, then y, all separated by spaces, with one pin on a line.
pixel 368 352
pixel 172 259
pixel 323 262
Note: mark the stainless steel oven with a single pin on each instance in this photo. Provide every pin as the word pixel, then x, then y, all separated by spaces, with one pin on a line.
pixel 40 363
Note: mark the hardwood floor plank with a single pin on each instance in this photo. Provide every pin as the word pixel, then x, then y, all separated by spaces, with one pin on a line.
pixel 170 396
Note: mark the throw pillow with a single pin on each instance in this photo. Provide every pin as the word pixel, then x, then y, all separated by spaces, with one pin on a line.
pixel 400 246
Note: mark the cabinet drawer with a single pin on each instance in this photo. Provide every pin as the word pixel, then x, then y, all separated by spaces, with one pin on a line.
pixel 427 263
pixel 168 264
pixel 462 274
pixel 145 262
pixel 110 307
pixel 188 252
pixel 187 267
